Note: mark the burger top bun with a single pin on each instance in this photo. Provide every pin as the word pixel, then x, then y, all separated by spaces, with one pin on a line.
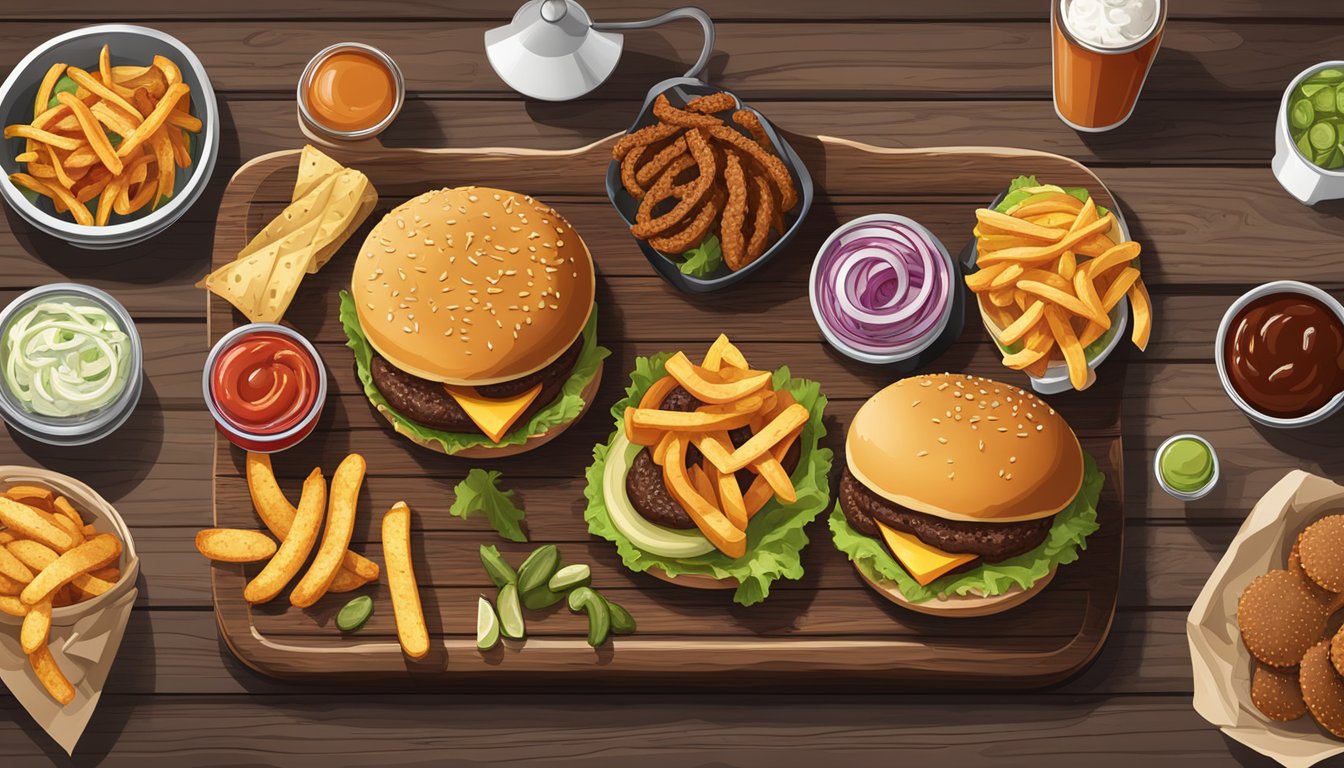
pixel 965 448
pixel 472 285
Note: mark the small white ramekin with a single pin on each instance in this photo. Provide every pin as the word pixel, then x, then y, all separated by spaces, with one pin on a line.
pixel 1186 495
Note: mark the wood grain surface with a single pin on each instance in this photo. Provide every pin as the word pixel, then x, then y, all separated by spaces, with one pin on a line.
pixel 1191 171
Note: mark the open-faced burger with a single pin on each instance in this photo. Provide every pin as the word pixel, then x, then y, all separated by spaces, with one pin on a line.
pixel 471 316
pixel 712 473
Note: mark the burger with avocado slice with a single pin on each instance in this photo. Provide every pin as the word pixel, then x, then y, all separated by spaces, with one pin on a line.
pixel 962 495
pixel 471 316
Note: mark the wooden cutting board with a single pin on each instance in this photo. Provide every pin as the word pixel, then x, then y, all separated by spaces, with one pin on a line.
pixel 827 630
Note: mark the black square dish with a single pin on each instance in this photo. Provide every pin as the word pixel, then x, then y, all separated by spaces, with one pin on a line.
pixel 679 91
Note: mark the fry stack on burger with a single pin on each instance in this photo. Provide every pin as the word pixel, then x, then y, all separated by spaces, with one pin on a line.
pixel 471 316
pixel 962 495
pixel 712 473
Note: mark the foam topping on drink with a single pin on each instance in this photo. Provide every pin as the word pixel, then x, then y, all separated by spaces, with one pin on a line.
pixel 1110 23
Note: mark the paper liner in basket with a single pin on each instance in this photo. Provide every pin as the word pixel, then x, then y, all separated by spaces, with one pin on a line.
pixel 1222 665
pixel 84 637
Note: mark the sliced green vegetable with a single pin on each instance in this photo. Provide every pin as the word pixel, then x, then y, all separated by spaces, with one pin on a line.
pixel 353 615
pixel 1322 136
pixel 622 623
pixel 510 612
pixel 1323 101
pixel 479 492
pixel 496 567
pixel 487 625
pixel 1301 114
pixel 569 577
pixel 541 598
pixel 538 568
pixel 586 600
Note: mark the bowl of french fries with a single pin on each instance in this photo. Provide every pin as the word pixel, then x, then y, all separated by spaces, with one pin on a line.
pixel 65 554
pixel 1056 278
pixel 110 135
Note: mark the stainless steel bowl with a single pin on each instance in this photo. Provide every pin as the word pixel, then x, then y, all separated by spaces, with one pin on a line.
pixel 85 427
pixel 128 45
pixel 399 98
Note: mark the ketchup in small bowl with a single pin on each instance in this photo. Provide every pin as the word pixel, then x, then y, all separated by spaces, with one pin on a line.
pixel 1281 353
pixel 265 386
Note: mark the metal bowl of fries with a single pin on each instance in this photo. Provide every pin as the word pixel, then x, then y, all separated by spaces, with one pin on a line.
pixel 1056 279
pixel 102 166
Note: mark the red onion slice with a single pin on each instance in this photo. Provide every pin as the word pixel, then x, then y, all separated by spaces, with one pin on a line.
pixel 882 287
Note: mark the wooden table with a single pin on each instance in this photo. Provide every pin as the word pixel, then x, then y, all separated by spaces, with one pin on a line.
pixel 1191 170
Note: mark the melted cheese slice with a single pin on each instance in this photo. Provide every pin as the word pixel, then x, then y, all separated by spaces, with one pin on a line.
pixel 495 417
pixel 924 562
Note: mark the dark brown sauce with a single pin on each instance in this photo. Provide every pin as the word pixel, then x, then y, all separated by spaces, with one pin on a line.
pixel 1285 354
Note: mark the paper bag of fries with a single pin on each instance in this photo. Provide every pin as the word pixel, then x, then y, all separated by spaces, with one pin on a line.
pixel 67 584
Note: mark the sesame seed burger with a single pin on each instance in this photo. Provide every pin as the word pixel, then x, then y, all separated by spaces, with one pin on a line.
pixel 961 495
pixel 471 316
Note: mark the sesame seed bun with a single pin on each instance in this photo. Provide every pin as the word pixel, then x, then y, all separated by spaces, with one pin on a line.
pixel 965 448
pixel 472 286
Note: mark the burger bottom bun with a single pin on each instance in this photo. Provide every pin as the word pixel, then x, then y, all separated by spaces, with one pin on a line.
pixel 489 452
pixel 967 606
pixel 694 580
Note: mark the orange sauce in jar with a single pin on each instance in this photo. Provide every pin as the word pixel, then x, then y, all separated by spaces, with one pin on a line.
pixel 351 90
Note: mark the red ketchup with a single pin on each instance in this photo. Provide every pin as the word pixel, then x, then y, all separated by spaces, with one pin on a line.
pixel 264 384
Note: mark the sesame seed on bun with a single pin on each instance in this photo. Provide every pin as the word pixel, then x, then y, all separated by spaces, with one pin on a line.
pixel 965 448
pixel 473 286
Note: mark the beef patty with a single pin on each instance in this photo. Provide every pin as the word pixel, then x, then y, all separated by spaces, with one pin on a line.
pixel 644 482
pixel 991 541
pixel 427 403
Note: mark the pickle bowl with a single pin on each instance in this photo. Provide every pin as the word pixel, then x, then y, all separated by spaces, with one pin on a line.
pixel 263 442
pixel 80 428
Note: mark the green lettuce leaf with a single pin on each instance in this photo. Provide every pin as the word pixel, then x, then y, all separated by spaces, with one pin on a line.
pixel 703 260
pixel 1016 194
pixel 565 408
pixel 1067 536
pixel 776 534
pixel 480 492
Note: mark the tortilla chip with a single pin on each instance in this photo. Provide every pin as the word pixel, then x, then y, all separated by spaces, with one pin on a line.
pixel 314 167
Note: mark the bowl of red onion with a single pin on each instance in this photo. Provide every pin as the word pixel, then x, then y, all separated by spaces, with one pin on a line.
pixel 885 291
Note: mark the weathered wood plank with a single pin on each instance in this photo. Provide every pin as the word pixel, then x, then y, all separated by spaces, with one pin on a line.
pixel 601 731
pixel 619 10
pixel 879 61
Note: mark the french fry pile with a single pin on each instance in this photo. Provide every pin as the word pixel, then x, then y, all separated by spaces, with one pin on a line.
pixel 733 396
pixel 1049 276
pixel 50 558
pixel 334 569
pixel 72 159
